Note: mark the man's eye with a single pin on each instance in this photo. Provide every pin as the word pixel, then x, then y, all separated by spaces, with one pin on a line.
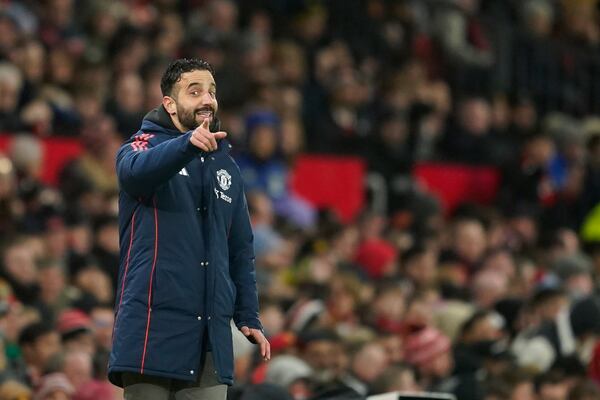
pixel 213 94
pixel 194 93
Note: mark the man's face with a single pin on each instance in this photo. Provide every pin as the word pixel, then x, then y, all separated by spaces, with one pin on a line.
pixel 195 98
pixel 439 367
pixel 320 354
pixel 20 264
pixel 103 320
pixel 84 343
pixel 43 349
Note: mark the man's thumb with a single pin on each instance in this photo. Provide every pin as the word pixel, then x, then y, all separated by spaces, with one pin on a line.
pixel 220 135
pixel 245 330
pixel 205 123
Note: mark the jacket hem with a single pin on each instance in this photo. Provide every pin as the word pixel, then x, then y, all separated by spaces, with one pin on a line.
pixel 114 375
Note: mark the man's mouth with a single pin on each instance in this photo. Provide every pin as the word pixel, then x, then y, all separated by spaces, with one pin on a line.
pixel 205 113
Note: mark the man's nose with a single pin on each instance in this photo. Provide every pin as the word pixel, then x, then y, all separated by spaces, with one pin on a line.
pixel 207 99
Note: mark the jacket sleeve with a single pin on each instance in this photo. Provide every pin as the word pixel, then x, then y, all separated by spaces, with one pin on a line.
pixel 143 165
pixel 241 266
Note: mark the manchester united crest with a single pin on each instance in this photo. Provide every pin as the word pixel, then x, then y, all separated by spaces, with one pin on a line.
pixel 224 179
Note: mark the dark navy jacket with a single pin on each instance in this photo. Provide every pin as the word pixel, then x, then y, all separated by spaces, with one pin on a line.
pixel 187 260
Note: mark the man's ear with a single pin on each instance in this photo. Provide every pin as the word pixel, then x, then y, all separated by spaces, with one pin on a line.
pixel 169 105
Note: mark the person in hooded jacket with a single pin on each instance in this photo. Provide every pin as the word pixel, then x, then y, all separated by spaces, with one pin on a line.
pixel 186 249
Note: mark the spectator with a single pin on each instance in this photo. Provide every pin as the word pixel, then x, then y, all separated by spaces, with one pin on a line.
pixel 263 169
pixel 20 271
pixel 552 386
pixel 289 372
pixel 38 343
pixel 345 124
pixel 75 328
pixel 106 248
pixel 466 43
pixel 11 83
pixel 391 153
pixel 470 140
pixel 319 349
pixel 101 324
pixel 77 366
pixel 91 176
pixel 368 363
pixel 95 282
pixel 55 294
pixel 428 350
pixel 469 242
pixel 54 386
pixel 547 303
pixel 389 307
pixel 396 378
pixel 127 106
pixel 584 391
pixel 420 266
pixel 542 347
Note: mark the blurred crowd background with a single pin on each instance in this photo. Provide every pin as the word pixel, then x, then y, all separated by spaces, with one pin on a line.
pixel 489 301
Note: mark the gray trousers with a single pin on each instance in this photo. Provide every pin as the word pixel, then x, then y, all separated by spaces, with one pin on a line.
pixel 146 387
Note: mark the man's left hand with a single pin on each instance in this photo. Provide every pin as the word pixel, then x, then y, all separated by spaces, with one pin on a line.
pixel 256 336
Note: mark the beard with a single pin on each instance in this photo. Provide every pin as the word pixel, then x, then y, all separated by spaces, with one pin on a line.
pixel 189 118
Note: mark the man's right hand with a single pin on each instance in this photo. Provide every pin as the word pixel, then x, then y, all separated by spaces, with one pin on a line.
pixel 204 139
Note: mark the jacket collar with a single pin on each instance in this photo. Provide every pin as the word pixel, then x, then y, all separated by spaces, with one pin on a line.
pixel 158 120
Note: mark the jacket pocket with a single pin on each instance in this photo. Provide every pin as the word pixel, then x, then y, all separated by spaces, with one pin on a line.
pixel 225 297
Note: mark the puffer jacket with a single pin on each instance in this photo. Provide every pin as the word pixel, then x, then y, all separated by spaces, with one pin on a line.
pixel 186 261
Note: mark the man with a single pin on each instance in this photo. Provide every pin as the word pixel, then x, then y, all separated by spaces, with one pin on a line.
pixel 187 261
pixel 39 343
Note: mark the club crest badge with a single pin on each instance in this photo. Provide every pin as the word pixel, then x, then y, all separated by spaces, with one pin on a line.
pixel 224 179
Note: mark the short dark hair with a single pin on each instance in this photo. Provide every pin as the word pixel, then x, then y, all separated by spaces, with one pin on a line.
pixel 32 332
pixel 178 67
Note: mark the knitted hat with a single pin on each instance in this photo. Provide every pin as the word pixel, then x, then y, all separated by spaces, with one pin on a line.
pixel 424 346
pixel 374 255
pixel 261 118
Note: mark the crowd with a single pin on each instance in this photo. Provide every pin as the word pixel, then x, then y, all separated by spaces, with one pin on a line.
pixel 490 302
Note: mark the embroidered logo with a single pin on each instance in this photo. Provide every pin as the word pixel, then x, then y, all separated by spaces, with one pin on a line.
pixel 140 142
pixel 224 179
pixel 184 172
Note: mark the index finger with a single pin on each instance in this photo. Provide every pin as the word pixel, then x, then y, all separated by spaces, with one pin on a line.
pixel 212 140
pixel 205 124
pixel 263 349
pixel 268 345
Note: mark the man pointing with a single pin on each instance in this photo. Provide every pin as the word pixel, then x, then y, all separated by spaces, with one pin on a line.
pixel 187 260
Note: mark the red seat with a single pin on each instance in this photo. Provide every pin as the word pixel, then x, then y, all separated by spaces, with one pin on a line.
pixel 56 153
pixel 454 183
pixel 331 182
